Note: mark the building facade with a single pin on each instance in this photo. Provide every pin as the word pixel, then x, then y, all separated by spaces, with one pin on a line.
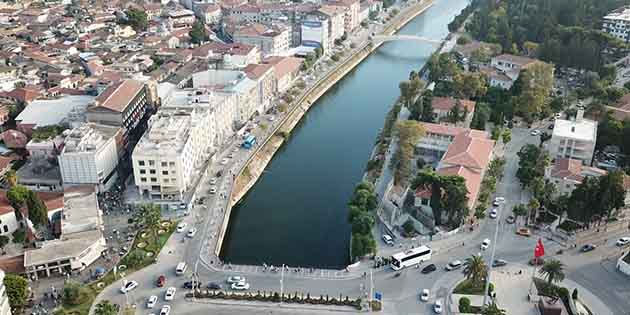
pixel 271 40
pixel 617 23
pixel 122 104
pixel 574 139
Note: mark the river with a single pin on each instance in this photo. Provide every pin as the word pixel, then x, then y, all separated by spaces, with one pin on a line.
pixel 296 213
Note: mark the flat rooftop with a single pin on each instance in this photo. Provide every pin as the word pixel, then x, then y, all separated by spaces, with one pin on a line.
pixel 53 112
pixel 583 129
pixel 80 211
pixel 66 247
pixel 88 137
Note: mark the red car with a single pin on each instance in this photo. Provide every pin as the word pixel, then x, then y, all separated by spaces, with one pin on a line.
pixel 161 281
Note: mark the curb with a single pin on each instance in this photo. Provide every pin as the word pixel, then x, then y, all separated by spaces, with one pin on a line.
pixel 346 309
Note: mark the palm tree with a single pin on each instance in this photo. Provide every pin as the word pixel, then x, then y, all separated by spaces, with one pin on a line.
pixel 493 309
pixel 553 270
pixel 519 211
pixel 151 215
pixel 105 307
pixel 476 269
pixel 11 177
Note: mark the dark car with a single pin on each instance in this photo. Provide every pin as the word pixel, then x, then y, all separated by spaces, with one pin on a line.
pixel 191 284
pixel 161 281
pixel 214 286
pixel 587 248
pixel 429 269
pixel 499 263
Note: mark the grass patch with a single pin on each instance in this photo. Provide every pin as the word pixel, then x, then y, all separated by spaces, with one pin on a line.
pixel 135 260
pixel 468 287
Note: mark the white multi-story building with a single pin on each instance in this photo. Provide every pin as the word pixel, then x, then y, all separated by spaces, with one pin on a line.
pixel 315 32
pixel 239 92
pixel 174 146
pixel 617 23
pixel 574 139
pixel 272 40
pixel 5 308
pixel 90 155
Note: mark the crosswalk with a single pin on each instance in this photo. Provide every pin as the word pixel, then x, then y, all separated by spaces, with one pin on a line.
pixel 293 272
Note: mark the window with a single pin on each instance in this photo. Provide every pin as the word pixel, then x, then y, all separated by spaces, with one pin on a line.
pixel 141 163
pixel 164 172
pixel 172 164
pixel 5 228
pixel 143 171
pixel 143 179
pixel 153 179
pixel 151 171
pixel 164 164
pixel 151 162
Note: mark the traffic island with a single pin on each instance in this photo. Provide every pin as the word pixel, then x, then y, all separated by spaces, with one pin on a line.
pixel 275 297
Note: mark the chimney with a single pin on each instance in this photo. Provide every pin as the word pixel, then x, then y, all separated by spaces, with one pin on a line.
pixel 580 115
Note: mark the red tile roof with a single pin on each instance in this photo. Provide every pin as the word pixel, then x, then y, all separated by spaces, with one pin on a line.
pixel 284 65
pixel 447 103
pixel 118 96
pixel 573 170
pixel 14 139
pixel 13 264
pixel 442 129
pixel 25 95
pixel 469 150
pixel 52 201
pixel 255 71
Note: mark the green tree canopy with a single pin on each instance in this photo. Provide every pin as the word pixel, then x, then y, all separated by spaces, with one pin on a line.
pixel 105 307
pixel 198 33
pixel 552 270
pixel 16 287
pixel 409 133
pixel 137 19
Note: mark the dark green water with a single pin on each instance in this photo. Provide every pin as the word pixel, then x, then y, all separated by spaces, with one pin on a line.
pixel 296 213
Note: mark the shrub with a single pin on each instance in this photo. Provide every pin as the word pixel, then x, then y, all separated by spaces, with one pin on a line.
pixel 574 295
pixel 464 305
pixel 19 236
pixel 463 40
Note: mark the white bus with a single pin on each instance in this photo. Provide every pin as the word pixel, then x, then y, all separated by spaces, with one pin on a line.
pixel 411 257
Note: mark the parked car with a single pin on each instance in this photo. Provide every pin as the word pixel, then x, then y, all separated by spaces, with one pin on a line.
pixel 499 263
pixel 213 181
pixel 161 281
pixel 235 279
pixel 510 219
pixel 169 295
pixel 166 309
pixel 535 132
pixel 523 232
pixel 212 190
pixel 453 265
pixel 424 296
pixel 429 269
pixel 388 240
pixel 214 286
pixel 499 199
pixel 152 301
pixel 485 244
pixel 240 286
pixel 191 232
pixel 129 286
pixel 623 241
pixel 587 248
pixel 494 213
pixel 224 161
pixel 181 227
pixel 437 307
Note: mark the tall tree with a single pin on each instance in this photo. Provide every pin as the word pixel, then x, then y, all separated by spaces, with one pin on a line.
pixel 151 216
pixel 137 19
pixel 476 270
pixel 536 82
pixel 11 177
pixel 532 163
pixel 409 133
pixel 552 270
pixel 105 307
pixel 492 309
pixel 198 33
pixel 16 287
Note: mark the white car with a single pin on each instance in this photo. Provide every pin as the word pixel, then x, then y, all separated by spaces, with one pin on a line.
pixel 424 296
pixel 535 132
pixel 181 227
pixel 166 309
pixel 128 286
pixel 213 190
pixel 493 213
pixel 170 294
pixel 191 232
pixel 151 301
pixel 388 240
pixel 235 279
pixel 272 118
pixel 485 244
pixel 437 307
pixel 455 264
pixel 240 286
pixel 623 241
pixel 224 161
pixel 499 199
pixel 213 181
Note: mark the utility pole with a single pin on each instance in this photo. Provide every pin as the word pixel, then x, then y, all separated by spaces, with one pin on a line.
pixel 494 247
pixel 371 289
pixel 281 283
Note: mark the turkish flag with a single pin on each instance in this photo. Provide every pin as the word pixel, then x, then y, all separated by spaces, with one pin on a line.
pixel 539 251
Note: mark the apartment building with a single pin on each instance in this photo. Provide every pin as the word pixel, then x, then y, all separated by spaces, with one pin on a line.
pixel 314 32
pixel 617 23
pixel 170 152
pixel 286 70
pixel 5 308
pixel 351 15
pixel 505 69
pixel 574 139
pixel 263 75
pixel 234 88
pixel 336 17
pixel 272 40
pixel 444 106
pixel 122 104
pixel 90 155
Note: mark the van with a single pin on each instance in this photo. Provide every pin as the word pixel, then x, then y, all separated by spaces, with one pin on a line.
pixel 181 268
pixel 388 240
